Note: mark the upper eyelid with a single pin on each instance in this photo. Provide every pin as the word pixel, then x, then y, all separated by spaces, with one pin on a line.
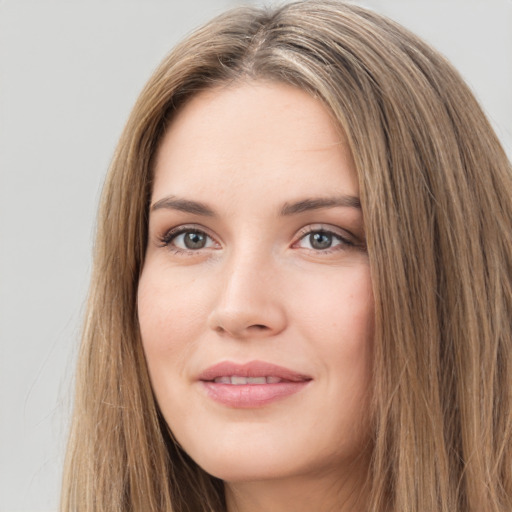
pixel 316 226
pixel 168 235
pixel 346 237
pixel 327 228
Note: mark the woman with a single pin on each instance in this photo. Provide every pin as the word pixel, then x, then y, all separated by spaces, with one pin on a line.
pixel 302 296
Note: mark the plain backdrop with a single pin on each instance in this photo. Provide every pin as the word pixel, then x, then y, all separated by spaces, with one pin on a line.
pixel 69 73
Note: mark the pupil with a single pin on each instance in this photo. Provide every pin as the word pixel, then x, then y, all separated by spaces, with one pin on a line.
pixel 195 240
pixel 320 240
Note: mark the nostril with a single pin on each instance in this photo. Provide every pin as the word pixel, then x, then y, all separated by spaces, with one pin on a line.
pixel 251 328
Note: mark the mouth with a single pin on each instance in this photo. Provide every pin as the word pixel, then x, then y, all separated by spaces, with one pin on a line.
pixel 238 380
pixel 252 384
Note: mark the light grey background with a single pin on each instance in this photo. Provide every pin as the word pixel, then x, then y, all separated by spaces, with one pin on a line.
pixel 69 74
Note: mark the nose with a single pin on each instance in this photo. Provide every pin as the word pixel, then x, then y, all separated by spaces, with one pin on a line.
pixel 249 302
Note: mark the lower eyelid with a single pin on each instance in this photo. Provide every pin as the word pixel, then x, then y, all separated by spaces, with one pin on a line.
pixel 337 242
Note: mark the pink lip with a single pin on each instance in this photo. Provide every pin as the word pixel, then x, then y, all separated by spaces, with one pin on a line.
pixel 251 395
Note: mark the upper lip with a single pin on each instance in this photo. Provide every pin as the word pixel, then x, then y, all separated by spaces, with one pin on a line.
pixel 252 369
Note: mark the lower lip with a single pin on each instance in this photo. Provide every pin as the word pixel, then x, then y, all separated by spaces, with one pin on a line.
pixel 245 396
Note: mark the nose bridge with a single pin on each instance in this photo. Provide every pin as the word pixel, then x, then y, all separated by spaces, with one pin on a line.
pixel 248 302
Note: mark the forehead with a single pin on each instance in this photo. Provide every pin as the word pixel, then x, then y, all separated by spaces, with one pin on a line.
pixel 259 136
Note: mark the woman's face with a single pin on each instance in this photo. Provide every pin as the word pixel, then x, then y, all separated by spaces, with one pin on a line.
pixel 255 301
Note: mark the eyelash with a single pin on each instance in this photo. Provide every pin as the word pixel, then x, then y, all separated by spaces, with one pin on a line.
pixel 344 242
pixel 167 239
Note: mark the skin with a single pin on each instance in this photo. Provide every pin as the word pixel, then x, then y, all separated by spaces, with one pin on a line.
pixel 261 288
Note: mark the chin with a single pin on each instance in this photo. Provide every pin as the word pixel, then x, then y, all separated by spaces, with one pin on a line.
pixel 243 469
pixel 252 459
pixel 248 460
pixel 240 472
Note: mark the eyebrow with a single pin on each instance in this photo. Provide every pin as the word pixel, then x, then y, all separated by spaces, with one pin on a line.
pixel 198 208
pixel 321 202
pixel 183 205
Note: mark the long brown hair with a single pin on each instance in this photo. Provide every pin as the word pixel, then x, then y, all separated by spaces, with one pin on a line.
pixel 436 191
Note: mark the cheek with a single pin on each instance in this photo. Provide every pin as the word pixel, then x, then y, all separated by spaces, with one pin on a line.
pixel 342 309
pixel 169 317
pixel 340 321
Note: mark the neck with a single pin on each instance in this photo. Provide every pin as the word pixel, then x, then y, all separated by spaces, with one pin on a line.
pixel 320 492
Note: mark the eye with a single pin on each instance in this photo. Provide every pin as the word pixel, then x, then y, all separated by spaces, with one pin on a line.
pixel 323 240
pixel 320 240
pixel 188 239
